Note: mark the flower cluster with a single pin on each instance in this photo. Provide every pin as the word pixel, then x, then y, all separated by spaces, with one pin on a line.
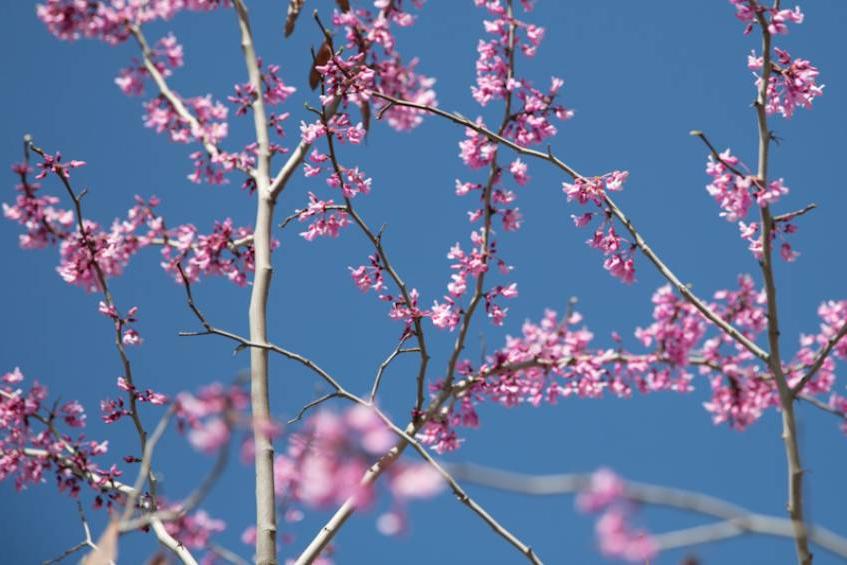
pixel 350 180
pixel 619 252
pixel 616 536
pixel 369 34
pixel 210 415
pixel 227 251
pixel 327 218
pixel 350 79
pixel 735 189
pixel 43 222
pixel 195 530
pixel 166 55
pixel 324 461
pixel 792 83
pixel 274 90
pixel 777 20
pixel 495 78
pixel 28 453
pixel 109 21
pixel 676 330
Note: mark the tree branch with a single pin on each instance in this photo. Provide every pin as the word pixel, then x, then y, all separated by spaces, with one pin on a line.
pixel 786 395
pixel 736 520
pixel 173 99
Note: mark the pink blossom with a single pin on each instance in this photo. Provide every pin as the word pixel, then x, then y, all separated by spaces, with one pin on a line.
pixel 618 539
pixel 445 315
pixel 195 530
pixel 13 377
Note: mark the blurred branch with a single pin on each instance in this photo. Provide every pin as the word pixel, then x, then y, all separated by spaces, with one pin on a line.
pixel 736 520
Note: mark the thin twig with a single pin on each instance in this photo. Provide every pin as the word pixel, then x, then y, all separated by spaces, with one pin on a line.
pixel 399 350
pixel 191 502
pixel 795 214
pixel 313 404
pixel 147 462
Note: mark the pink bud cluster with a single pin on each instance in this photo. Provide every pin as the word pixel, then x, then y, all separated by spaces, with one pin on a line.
pixel 108 20
pixel 350 80
pixel 530 124
pixel 739 393
pixel 325 460
pixel 370 35
pixel 735 189
pixel 28 453
pixel 554 358
pixel 616 536
pixel 676 330
pixel 274 90
pixel 210 414
pixel 472 264
pixel 327 220
pixel 43 222
pixel 619 252
pixel 352 180
pixel 792 83
pixel 777 20
pixel 129 335
pixel 227 251
pixel 195 531
pixel 166 54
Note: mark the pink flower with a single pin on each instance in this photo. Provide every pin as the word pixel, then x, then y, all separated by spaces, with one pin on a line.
pixel 195 530
pixel 417 481
pixel 605 489
pixel 209 437
pixel 519 170
pixel 131 337
pixel 618 539
pixel 444 315
pixel 14 377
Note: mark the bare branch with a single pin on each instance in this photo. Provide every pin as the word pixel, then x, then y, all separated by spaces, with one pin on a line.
pixel 313 404
pixel 795 214
pixel 147 461
pixel 399 350
pixel 460 493
pixel 169 542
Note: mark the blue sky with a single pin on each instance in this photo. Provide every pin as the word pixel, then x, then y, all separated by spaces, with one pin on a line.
pixel 640 75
